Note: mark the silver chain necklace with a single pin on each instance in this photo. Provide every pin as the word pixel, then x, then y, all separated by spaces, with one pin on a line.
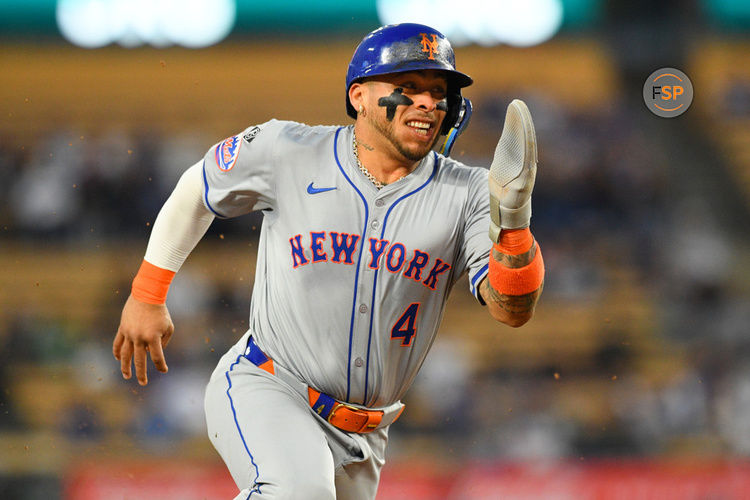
pixel 377 183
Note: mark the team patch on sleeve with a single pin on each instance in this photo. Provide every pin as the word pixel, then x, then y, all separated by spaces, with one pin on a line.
pixel 227 152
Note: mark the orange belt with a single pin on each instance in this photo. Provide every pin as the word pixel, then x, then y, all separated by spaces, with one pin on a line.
pixel 341 415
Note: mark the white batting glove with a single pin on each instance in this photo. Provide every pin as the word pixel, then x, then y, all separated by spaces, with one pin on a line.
pixel 513 172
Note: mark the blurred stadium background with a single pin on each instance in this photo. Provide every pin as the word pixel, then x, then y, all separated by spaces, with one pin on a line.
pixel 633 379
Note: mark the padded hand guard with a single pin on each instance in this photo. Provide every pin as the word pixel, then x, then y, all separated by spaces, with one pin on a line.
pixel 513 172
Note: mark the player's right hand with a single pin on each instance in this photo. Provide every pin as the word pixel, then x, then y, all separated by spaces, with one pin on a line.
pixel 143 328
pixel 513 172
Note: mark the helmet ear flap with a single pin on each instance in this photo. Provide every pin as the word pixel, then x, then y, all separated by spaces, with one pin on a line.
pixel 465 110
pixel 452 115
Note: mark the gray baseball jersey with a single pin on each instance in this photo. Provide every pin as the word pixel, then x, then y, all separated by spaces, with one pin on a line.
pixel 351 281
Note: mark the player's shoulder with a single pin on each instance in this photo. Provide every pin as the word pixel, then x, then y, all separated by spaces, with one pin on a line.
pixel 264 143
pixel 291 131
pixel 457 173
pixel 466 185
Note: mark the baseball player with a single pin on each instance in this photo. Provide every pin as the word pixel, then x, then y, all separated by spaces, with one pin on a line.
pixel 366 230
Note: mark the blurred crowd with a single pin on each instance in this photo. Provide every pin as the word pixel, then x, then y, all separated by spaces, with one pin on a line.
pixel 604 201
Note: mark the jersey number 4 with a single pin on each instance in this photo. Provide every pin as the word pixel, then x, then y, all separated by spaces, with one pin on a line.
pixel 405 327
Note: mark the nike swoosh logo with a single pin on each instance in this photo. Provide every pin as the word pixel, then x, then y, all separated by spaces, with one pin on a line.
pixel 314 190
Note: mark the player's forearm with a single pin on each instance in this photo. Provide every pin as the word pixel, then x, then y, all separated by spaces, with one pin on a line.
pixel 516 278
pixel 181 223
pixel 512 310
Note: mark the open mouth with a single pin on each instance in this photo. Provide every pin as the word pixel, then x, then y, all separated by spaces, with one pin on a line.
pixel 420 127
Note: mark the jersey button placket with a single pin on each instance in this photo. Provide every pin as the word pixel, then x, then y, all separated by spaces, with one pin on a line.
pixel 373 231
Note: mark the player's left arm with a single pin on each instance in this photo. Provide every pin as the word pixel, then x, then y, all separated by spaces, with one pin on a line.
pixel 516 269
pixel 145 324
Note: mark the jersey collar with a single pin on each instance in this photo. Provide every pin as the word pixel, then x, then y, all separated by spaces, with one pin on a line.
pixel 417 176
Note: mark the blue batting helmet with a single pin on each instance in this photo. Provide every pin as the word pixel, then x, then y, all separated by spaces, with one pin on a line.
pixel 398 48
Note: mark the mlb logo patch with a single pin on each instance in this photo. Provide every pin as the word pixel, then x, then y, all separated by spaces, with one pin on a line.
pixel 227 152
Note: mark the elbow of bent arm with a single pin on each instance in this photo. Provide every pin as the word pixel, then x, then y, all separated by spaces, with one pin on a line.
pixel 518 319
pixel 513 319
pixel 511 310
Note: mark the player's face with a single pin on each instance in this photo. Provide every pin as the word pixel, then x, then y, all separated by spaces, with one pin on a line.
pixel 408 110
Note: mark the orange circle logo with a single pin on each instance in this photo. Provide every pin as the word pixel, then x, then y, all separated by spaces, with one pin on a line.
pixel 668 92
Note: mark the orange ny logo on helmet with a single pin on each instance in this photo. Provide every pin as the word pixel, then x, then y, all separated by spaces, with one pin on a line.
pixel 428 45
